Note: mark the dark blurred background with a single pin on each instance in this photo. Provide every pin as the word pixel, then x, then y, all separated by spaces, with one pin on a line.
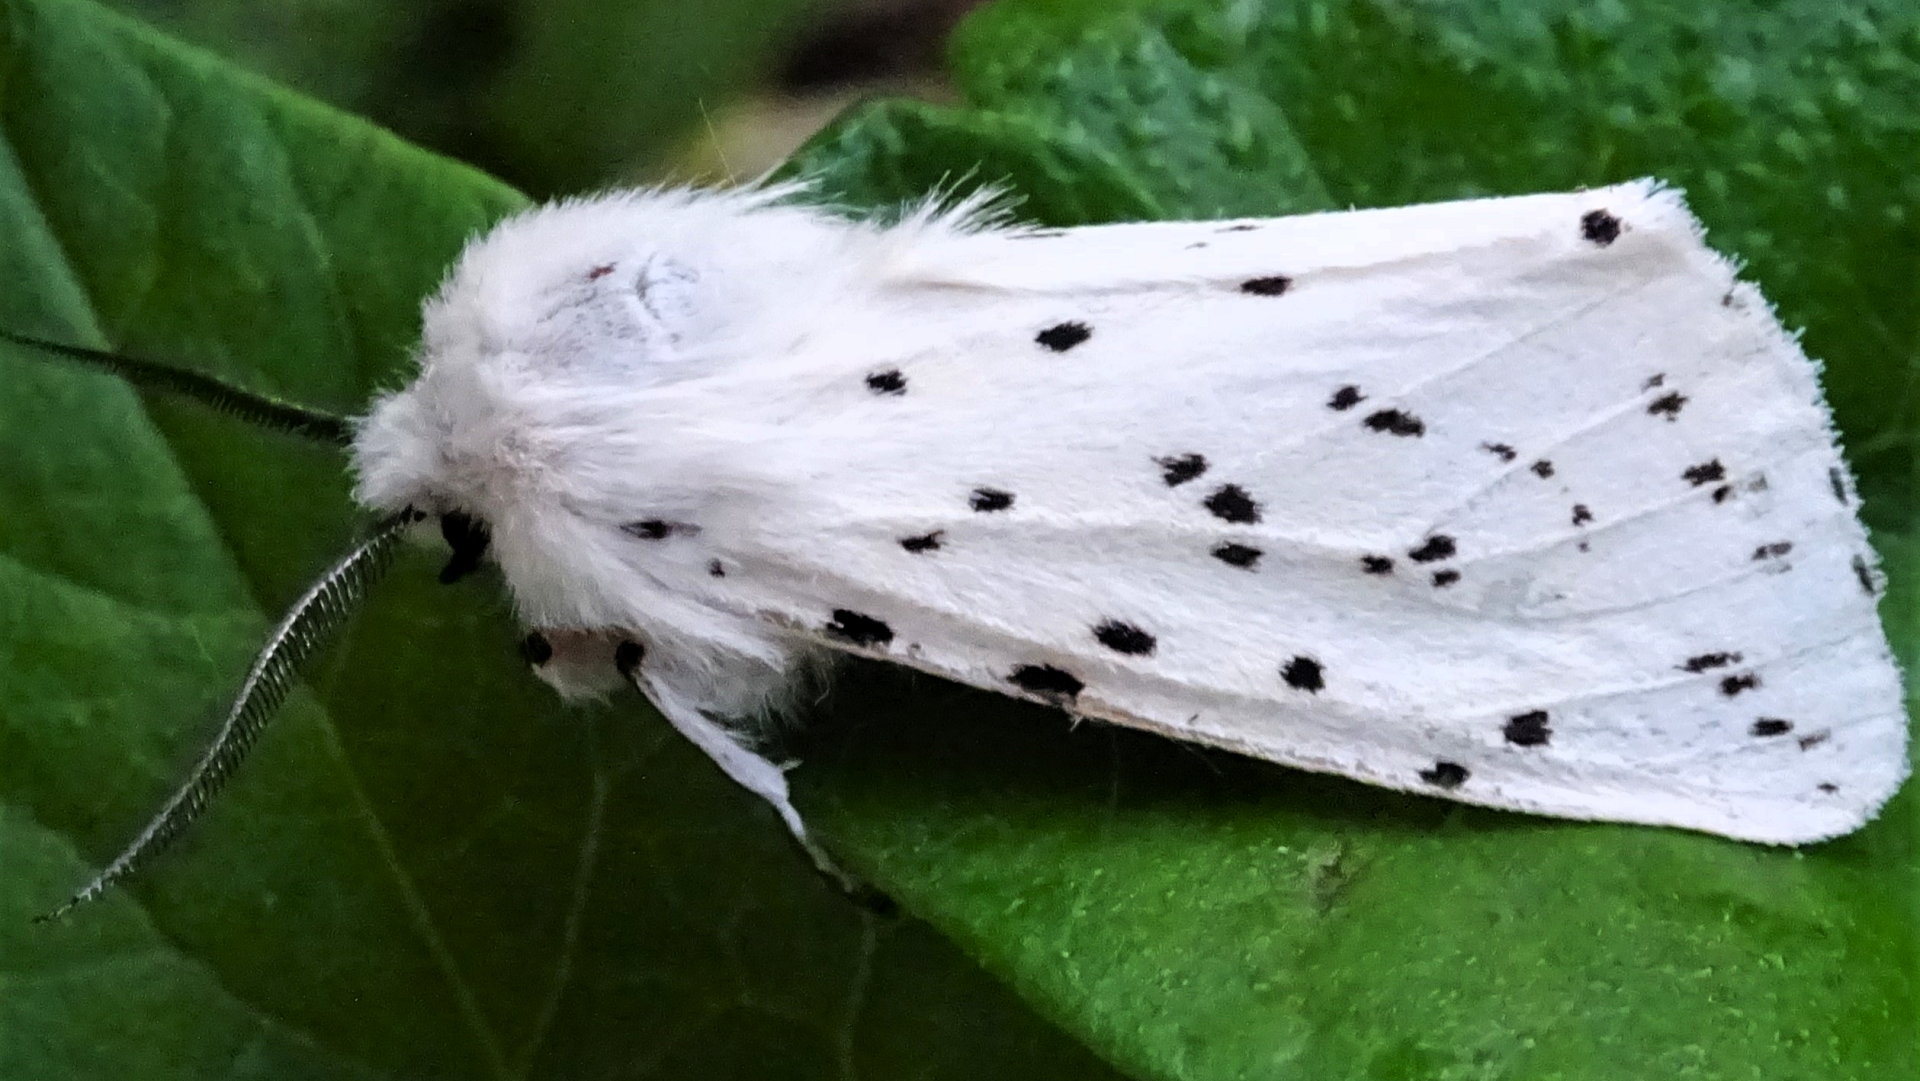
pixel 559 96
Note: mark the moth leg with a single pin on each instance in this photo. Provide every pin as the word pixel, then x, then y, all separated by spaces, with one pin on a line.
pixel 576 663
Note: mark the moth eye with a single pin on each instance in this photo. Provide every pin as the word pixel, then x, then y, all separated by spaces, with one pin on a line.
pixel 468 537
pixel 627 657
pixel 536 649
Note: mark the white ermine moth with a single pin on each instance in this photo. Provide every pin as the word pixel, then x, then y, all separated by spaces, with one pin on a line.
pixel 1525 502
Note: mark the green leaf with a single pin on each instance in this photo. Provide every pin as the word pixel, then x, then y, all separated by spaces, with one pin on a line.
pixel 1193 915
pixel 429 868
pixel 392 887
pixel 554 95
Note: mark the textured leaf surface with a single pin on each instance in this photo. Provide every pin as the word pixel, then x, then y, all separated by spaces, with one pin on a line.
pixel 554 95
pixel 429 869
pixel 395 886
pixel 1197 916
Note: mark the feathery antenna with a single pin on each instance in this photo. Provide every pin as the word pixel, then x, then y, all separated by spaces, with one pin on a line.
pixel 247 405
pixel 313 619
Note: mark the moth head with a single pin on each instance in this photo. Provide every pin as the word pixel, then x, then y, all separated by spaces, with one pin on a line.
pixel 538 322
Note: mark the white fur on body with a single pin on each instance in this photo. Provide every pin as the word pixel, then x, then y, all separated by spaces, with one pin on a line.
pixel 1523 502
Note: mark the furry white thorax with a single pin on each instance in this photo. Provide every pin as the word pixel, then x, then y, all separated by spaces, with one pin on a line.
pixel 576 370
pixel 1524 502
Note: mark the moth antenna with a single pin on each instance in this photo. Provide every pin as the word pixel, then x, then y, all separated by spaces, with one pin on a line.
pixel 250 406
pixel 313 619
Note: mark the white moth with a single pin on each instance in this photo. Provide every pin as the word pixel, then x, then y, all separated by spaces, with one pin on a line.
pixel 1523 502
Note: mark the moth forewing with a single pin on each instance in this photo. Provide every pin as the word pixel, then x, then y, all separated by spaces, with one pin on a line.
pixel 1522 502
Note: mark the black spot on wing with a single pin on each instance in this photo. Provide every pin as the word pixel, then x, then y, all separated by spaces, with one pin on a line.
pixel 1061 337
pixel 1442 579
pixel 1231 503
pixel 1734 685
pixel 1864 574
pixel 1772 551
pixel 1581 515
pixel 889 381
pixel 988 500
pixel 1599 227
pixel 1445 775
pixel 1395 422
pixel 1658 379
pixel 1828 788
pixel 1271 286
pixel 1124 638
pixel 1708 661
pixel 1667 405
pixel 1501 451
pixel 715 569
pixel 1243 227
pixel 1528 729
pixel 1839 482
pixel 1304 674
pixel 468 537
pixel 654 529
pixel 1376 564
pixel 1542 469
pixel 1813 739
pixel 1709 472
pixel 1046 681
pixel 1237 555
pixel 1177 469
pixel 1438 547
pixel 925 542
pixel 860 630
pixel 1723 493
pixel 1345 398
pixel 1771 726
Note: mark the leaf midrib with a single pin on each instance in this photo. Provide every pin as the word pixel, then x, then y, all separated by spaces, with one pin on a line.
pixel 487 1042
